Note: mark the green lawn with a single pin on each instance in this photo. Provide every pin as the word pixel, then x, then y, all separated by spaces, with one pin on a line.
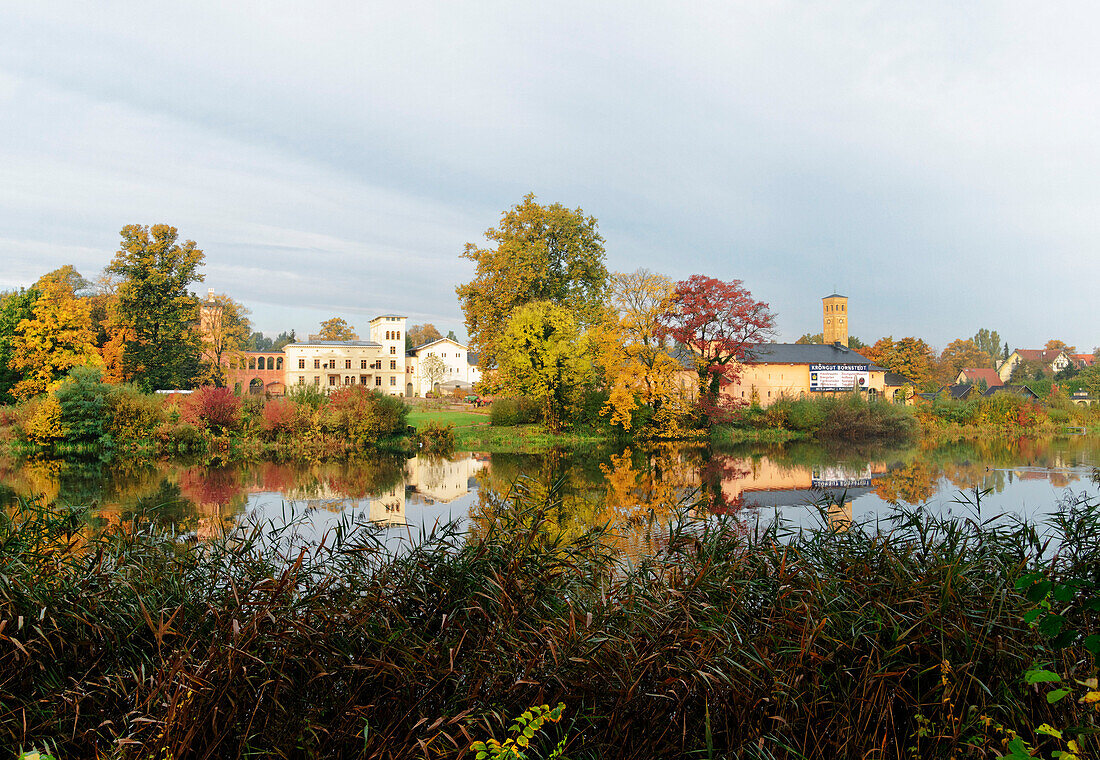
pixel 418 418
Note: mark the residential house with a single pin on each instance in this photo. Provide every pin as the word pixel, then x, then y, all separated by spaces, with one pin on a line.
pixel 1054 360
pixel 1083 360
pixel 975 375
pixel 458 367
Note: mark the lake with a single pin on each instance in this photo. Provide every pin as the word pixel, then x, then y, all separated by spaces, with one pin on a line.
pixel 633 488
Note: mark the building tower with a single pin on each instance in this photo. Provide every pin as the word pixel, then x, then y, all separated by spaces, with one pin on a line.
pixel 834 315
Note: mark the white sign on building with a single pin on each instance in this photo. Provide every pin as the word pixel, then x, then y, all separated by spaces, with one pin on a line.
pixel 839 377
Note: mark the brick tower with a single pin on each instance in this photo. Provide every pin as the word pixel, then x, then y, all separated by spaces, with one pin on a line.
pixel 834 315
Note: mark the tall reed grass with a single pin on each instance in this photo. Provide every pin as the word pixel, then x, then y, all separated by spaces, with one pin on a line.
pixel 898 639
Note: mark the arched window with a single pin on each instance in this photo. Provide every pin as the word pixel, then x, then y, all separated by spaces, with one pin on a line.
pixel 279 363
pixel 252 362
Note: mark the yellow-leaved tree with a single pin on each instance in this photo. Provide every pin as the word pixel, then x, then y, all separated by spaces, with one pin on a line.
pixel 58 337
pixel 543 355
pixel 637 363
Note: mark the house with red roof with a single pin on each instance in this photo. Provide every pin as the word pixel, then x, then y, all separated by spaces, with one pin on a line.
pixel 1083 360
pixel 1053 359
pixel 972 375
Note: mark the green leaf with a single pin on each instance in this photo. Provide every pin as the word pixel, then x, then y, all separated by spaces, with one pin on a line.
pixel 1026 580
pixel 1064 593
pixel 1038 675
pixel 1030 617
pixel 1092 643
pixel 1056 695
pixel 1039 591
pixel 1051 625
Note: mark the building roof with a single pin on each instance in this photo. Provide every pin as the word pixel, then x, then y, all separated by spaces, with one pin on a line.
pixel 834 295
pixel 974 374
pixel 338 343
pixel 958 392
pixel 896 379
pixel 384 316
pixel 1019 390
pixel 438 340
pixel 1044 355
pixel 806 353
pixel 1083 360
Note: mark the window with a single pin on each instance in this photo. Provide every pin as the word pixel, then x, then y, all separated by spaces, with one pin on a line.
pixel 347 363
pixel 378 381
pixel 279 363
pixel 332 379
pixel 252 362
pixel 363 379
pixel 397 335
pixel 317 364
pixel 301 379
pixel 301 364
pixel 393 364
pixel 393 349
pixel 362 364
pixel 316 380
pixel 393 380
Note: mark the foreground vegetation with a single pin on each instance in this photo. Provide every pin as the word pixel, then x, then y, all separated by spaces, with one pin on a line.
pixel 901 640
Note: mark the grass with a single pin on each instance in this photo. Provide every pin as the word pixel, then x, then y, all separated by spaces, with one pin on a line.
pixel 524 439
pixel 900 639
pixel 418 418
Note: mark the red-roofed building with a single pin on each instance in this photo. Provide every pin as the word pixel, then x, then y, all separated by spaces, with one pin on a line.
pixel 972 375
pixel 1054 360
pixel 1083 360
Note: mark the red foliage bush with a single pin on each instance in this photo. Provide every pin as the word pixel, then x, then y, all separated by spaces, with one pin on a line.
pixel 279 415
pixel 214 408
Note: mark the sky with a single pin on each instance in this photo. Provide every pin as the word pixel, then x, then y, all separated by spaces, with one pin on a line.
pixel 937 162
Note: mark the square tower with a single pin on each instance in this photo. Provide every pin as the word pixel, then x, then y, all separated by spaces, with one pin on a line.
pixel 834 315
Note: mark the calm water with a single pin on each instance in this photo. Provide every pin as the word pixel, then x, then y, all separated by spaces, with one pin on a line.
pixel 632 488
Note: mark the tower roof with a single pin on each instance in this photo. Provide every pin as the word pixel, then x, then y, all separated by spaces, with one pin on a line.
pixel 834 295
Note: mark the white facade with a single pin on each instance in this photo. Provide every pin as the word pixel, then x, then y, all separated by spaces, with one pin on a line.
pixel 378 363
pixel 456 366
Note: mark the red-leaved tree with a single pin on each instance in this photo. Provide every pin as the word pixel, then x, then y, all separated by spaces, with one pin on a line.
pixel 721 324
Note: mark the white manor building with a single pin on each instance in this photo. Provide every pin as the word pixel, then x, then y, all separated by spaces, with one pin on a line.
pixel 378 363
pixel 455 366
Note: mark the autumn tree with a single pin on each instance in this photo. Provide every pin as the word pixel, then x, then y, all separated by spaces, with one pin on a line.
pixel 1058 345
pixel 539 253
pixel 911 357
pixel 336 329
pixel 542 356
pixel 961 354
pixel 225 334
pixel 418 335
pixel 56 337
pixel 990 342
pixel 633 354
pixel 15 306
pixel 721 324
pixel 155 308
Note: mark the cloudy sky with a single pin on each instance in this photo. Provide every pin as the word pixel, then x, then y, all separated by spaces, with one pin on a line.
pixel 935 161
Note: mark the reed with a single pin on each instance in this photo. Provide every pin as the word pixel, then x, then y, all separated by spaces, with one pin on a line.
pixel 897 639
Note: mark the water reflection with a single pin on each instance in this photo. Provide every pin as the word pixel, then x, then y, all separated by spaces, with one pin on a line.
pixel 634 490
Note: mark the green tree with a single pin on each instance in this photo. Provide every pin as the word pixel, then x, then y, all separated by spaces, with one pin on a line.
pixel 541 355
pixel 989 341
pixel 911 357
pixel 15 306
pixel 541 253
pixel 451 335
pixel 283 339
pixel 337 329
pixel 854 343
pixel 83 399
pixel 155 272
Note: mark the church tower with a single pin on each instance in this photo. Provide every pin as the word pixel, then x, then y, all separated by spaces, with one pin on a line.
pixel 834 315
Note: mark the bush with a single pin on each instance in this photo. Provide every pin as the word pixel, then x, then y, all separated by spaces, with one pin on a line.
pixel 436 438
pixel 83 399
pixel 41 420
pixel 133 416
pixel 506 412
pixel 217 409
pixel 279 416
pixel 365 416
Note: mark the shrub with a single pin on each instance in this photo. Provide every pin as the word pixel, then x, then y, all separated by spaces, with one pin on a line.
pixel 83 399
pixel 365 416
pixel 436 438
pixel 132 416
pixel 41 420
pixel 506 412
pixel 279 415
pixel 215 408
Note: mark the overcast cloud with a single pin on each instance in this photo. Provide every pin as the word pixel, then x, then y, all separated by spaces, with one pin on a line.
pixel 935 161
